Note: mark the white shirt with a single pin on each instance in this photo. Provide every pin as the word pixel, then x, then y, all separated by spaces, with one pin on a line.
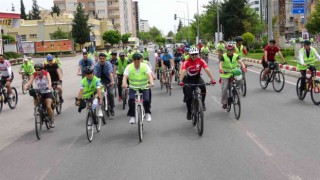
pixel 155 55
pixel 5 68
pixel 126 71
pixel 301 55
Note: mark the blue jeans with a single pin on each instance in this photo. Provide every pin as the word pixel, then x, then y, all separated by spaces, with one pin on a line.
pixel 146 101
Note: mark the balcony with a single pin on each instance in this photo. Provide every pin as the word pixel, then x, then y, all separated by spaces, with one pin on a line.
pixel 113 6
pixel 114 15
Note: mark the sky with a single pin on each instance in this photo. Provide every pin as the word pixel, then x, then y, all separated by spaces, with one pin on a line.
pixel 159 13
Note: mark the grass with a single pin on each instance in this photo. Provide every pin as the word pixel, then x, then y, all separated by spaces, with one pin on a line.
pixel 289 59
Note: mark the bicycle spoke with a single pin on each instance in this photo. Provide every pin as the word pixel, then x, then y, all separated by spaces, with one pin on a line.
pixel 278 81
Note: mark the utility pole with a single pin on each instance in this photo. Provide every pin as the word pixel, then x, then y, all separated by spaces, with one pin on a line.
pixel 218 23
pixel 270 34
pixel 198 28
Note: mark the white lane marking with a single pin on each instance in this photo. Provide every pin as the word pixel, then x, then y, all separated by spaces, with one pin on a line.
pixel 45 174
pixel 254 138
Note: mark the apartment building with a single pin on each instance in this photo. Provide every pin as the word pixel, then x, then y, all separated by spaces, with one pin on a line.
pixel 144 26
pixel 259 6
pixel 121 13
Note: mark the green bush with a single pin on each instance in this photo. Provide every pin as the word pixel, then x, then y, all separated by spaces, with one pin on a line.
pixel 259 50
pixel 252 51
pixel 255 45
pixel 12 55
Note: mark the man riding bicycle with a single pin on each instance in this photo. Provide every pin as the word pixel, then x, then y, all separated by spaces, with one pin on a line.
pixel 27 69
pixel 191 74
pixel 118 71
pixel 7 74
pixel 177 59
pixel 228 63
pixel 166 64
pixel 146 54
pixel 55 74
pixel 240 49
pixel 307 56
pixel 84 62
pixel 43 81
pixel 269 53
pixel 205 52
pixel 221 47
pixel 104 70
pixel 138 74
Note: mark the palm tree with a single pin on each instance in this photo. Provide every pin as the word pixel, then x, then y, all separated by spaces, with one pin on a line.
pixel 282 22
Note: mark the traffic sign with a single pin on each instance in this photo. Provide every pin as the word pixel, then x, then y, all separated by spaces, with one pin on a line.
pixel 298 7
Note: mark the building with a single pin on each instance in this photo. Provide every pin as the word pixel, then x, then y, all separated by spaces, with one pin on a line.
pixel 119 12
pixel 144 26
pixel 259 6
pixel 38 30
pixel 136 15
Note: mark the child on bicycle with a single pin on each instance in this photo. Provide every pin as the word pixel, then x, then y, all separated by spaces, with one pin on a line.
pixel 90 86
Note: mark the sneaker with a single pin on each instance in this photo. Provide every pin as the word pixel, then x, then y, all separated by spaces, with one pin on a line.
pixel 204 106
pixel 188 115
pixel 224 106
pixel 9 99
pixel 52 123
pixel 100 113
pixel 61 100
pixel 148 117
pixel 112 112
pixel 132 120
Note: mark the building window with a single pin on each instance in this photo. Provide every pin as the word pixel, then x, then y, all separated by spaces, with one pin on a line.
pixel 23 37
pixel 91 4
pixel 256 2
pixel 101 11
pixel 256 9
pixel 111 12
pixel 33 35
pixel 109 3
pixel 101 4
pixel 71 4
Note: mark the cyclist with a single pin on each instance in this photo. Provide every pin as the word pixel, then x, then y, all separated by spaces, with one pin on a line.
pixel 108 53
pixel 57 60
pixel 27 68
pixel 269 53
pixel 146 54
pixel 104 71
pixel 228 62
pixel 138 74
pixel 221 48
pixel 240 49
pixel 307 56
pixel 205 52
pixel 166 64
pixel 90 86
pixel 191 74
pixel 177 59
pixel 129 55
pixel 118 70
pixel 84 62
pixel 43 81
pixel 55 73
pixel 186 54
pixel 158 63
pixel 113 58
pixel 30 60
pixel 7 74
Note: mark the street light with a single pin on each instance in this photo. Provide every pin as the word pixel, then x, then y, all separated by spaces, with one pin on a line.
pixel 184 2
pixel 198 19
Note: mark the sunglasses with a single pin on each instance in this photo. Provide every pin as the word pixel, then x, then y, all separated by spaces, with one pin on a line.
pixel 136 59
pixel 193 54
pixel 37 69
pixel 88 73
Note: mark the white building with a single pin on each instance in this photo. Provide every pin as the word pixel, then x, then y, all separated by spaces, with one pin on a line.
pixel 144 26
pixel 259 6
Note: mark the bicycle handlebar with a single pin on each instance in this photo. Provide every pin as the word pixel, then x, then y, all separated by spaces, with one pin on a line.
pixel 197 85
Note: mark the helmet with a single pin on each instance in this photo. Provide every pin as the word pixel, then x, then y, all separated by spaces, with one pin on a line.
pixel 166 50
pixel 194 51
pixel 49 57
pixel 238 38
pixel 230 47
pixel 121 54
pixel 307 42
pixel 237 74
pixel 187 49
pixel 136 56
pixel 38 66
pixel 114 53
pixel 87 70
pixel 25 60
pixel 272 41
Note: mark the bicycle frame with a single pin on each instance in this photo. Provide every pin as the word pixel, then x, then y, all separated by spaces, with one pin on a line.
pixel 139 103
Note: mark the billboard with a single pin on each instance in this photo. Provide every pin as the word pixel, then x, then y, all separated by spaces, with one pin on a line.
pixel 54 46
pixel 28 47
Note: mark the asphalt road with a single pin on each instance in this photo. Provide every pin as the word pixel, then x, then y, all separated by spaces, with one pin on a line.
pixel 277 137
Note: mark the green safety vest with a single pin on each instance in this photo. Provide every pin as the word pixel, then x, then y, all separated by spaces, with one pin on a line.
pixel 130 56
pixel 239 51
pixel 89 90
pixel 185 56
pixel 27 68
pixel 229 65
pixel 145 54
pixel 108 54
pixel 311 40
pixel 138 79
pixel 308 61
pixel 122 65
pixel 221 46
pixel 205 50
pixel 57 60
pixel 300 39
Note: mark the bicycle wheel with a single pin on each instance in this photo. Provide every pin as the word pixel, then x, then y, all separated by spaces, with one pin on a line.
pixel 315 92
pixel 161 83
pixel 46 120
pixel 23 83
pixel 14 100
pixel 263 84
pixel 103 108
pixel 89 128
pixel 243 87
pixel 167 83
pixel 236 104
pixel 301 94
pixel 140 128
pixel 194 106
pixel 1 102
pixel 38 122
pixel 230 100
pixel 278 81
pixel 97 120
pixel 200 117
pixel 58 105
pixel 124 99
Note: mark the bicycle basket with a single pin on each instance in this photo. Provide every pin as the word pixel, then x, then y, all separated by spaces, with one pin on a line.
pixel 237 74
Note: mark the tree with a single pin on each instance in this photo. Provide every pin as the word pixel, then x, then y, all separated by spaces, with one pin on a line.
pixel 8 39
pixel 111 37
pixel 160 40
pixel 144 36
pixel 248 38
pixel 22 10
pixel 80 27
pixel 59 34
pixel 251 22
pixel 35 12
pixel 154 32
pixel 313 23
pixel 55 9
pixel 125 38
pixel 180 25
pixel 282 23
pixel 170 34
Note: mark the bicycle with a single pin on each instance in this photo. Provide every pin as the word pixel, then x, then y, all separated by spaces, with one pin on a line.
pixel 196 107
pixel 243 86
pixel 105 107
pixel 56 103
pixel 177 73
pixel 4 97
pixel 25 79
pixel 125 93
pixel 233 95
pixel 205 57
pixel 275 76
pixel 40 114
pixel 161 79
pixel 167 79
pixel 115 86
pixel 312 85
